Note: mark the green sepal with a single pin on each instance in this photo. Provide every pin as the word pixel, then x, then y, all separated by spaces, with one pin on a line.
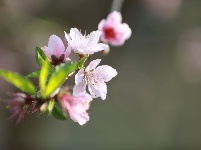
pixel 57 113
pixel 54 111
pixel 51 104
pixel 41 57
pixel 81 62
pixel 19 81
pixel 34 74
pixel 59 76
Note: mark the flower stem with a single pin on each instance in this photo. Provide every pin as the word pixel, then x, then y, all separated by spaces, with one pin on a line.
pixel 116 5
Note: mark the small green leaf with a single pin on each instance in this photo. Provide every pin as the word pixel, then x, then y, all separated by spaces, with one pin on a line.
pixel 81 62
pixel 41 57
pixel 59 76
pixel 34 74
pixel 56 113
pixel 51 106
pixel 19 81
pixel 43 77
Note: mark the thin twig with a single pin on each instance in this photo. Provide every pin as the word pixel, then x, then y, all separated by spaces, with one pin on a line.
pixel 116 5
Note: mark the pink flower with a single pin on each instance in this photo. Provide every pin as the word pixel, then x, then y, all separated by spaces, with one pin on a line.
pixel 114 32
pixel 76 106
pixel 95 78
pixel 83 44
pixel 55 51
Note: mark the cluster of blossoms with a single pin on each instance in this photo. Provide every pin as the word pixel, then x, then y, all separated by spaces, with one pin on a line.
pixel 53 93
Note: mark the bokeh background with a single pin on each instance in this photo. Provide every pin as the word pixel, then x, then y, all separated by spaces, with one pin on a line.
pixel 154 102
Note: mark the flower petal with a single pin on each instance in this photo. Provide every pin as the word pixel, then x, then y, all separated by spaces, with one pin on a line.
pixel 105 72
pixel 79 88
pixel 122 33
pixel 47 52
pixel 93 38
pixel 98 89
pixel 83 44
pixel 85 98
pixel 79 76
pixel 81 118
pixel 127 31
pixel 93 64
pixel 76 106
pixel 101 24
pixel 76 111
pixel 103 46
pixel 69 39
pixel 114 17
pixel 67 52
pixel 56 45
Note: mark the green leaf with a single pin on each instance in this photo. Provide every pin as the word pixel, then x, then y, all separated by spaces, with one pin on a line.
pixel 81 62
pixel 34 74
pixel 51 106
pixel 43 77
pixel 56 113
pixel 19 81
pixel 59 76
pixel 40 56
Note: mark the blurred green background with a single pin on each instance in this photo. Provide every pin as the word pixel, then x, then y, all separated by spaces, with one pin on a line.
pixel 154 102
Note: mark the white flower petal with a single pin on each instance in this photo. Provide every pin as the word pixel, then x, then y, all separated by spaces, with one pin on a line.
pixel 93 64
pixel 98 89
pixel 67 52
pixel 79 88
pixel 93 91
pixel 105 72
pixel 93 38
pixel 83 44
pixel 103 46
pixel 69 40
pixel 79 76
pixel 75 33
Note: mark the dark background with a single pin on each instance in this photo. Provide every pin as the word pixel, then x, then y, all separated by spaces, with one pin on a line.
pixel 153 103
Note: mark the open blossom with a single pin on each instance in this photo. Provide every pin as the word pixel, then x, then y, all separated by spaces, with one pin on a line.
pixel 113 30
pixel 76 106
pixel 83 44
pixel 95 77
pixel 56 51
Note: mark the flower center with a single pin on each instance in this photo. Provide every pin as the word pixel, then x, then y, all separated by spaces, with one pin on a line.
pixel 109 33
pixel 57 61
